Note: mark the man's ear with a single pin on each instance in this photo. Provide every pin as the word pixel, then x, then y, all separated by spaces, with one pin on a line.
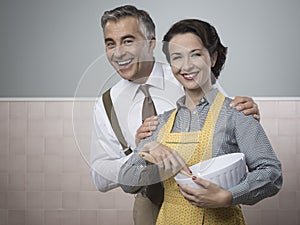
pixel 214 58
pixel 152 44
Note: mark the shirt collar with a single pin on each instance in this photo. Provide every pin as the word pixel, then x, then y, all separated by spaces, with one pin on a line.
pixel 208 98
pixel 156 79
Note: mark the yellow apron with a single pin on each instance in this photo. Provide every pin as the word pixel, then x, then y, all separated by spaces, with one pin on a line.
pixel 193 147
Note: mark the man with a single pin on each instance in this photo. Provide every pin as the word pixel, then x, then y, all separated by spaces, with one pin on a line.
pixel 129 36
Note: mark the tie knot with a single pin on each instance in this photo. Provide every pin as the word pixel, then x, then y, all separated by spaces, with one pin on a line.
pixel 145 89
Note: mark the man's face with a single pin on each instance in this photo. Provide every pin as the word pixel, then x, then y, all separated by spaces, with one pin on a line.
pixel 127 49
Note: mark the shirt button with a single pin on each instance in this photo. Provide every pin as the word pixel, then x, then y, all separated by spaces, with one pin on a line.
pixel 202 100
pixel 194 112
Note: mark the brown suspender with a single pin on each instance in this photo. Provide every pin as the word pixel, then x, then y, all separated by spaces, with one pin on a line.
pixel 152 190
pixel 111 114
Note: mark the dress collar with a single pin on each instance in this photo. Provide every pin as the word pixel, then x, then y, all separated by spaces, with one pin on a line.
pixel 208 98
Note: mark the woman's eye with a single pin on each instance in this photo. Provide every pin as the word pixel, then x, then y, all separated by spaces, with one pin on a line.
pixel 175 58
pixel 196 55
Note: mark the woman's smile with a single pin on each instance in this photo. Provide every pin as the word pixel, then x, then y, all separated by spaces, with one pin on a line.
pixel 189 76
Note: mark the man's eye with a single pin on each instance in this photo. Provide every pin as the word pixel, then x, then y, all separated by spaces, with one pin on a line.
pixel 109 44
pixel 128 42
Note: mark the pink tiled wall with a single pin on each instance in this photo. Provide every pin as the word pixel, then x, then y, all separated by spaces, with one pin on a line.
pixel 44 177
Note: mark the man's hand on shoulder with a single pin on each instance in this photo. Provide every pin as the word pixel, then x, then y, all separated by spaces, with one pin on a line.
pixel 246 105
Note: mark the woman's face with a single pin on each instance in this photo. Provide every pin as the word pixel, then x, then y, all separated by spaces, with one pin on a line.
pixel 190 62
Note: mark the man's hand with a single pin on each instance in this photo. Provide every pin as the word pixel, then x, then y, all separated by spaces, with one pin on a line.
pixel 211 196
pixel 145 130
pixel 246 105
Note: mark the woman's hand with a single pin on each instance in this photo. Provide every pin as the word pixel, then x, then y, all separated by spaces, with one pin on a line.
pixel 211 196
pixel 168 160
pixel 246 105
pixel 145 130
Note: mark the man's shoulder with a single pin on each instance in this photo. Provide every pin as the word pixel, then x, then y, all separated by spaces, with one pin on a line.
pixel 121 84
pixel 122 87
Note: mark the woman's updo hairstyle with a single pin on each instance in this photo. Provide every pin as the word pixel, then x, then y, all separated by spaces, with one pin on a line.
pixel 206 33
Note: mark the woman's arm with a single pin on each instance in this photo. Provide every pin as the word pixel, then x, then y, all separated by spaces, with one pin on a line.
pixel 135 173
pixel 264 178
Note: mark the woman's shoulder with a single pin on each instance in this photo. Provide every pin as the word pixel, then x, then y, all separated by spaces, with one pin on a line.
pixel 235 114
pixel 227 101
pixel 165 115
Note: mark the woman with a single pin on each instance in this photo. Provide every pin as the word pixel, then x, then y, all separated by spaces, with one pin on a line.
pixel 202 126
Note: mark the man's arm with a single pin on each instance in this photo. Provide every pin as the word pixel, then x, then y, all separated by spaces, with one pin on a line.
pixel 107 155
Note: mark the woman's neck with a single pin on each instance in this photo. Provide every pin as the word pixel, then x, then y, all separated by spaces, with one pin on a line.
pixel 192 97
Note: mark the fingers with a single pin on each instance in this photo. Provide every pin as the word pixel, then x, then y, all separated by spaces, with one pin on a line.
pixel 241 103
pixel 164 160
pixel 211 196
pixel 145 130
pixel 257 117
pixel 202 182
pixel 191 191
pixel 246 105
pixel 178 163
pixel 181 163
pixel 151 121
pixel 150 146
pixel 186 192
pixel 190 194
pixel 238 100
pixel 163 155
pixel 168 160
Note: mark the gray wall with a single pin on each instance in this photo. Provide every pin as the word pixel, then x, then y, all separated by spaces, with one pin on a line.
pixel 54 48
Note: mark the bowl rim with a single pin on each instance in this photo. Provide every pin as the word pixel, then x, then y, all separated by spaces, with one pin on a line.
pixel 182 177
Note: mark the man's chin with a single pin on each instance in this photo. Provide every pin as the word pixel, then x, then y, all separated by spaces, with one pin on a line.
pixel 126 76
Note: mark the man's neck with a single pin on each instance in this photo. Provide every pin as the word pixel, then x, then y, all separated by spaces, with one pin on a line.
pixel 142 79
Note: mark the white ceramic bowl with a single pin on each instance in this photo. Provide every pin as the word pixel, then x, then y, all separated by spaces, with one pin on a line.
pixel 226 171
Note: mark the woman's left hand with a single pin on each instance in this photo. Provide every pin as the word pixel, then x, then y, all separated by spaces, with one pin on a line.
pixel 211 196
